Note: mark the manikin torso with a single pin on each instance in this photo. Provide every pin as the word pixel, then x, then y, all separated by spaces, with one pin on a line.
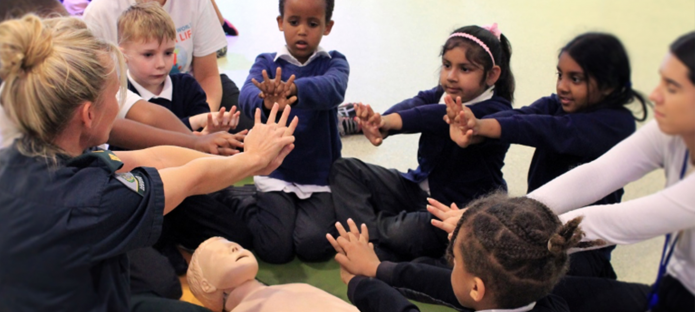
pixel 287 297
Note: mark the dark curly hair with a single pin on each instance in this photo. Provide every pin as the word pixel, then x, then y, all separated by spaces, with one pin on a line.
pixel 517 246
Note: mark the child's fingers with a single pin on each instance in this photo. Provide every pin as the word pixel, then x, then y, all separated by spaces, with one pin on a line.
pixel 341 229
pixel 353 227
pixel 365 234
pixel 343 260
pixel 291 100
pixel 443 226
pixel 265 76
pixel 335 244
pixel 441 215
pixel 290 81
pixel 436 204
pixel 210 121
pixel 278 76
pixel 454 206
pixel 256 83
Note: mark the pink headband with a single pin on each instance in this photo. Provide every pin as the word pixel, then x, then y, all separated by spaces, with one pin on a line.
pixel 491 28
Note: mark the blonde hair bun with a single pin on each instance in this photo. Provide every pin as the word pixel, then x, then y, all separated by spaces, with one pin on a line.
pixel 24 46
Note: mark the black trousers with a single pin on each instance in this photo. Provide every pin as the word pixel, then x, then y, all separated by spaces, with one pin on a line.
pixel 283 224
pixel 230 97
pixel 203 216
pixel 392 207
pixel 154 286
pixel 600 294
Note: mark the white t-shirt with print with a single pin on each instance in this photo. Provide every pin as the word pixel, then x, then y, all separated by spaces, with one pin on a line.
pixel 198 31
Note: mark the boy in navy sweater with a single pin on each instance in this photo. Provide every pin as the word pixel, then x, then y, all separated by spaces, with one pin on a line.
pixel 294 207
pixel 147 36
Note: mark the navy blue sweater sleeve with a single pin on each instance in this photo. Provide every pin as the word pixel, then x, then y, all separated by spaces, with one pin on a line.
pixel 248 97
pixel 583 134
pixel 196 101
pixel 422 98
pixel 371 294
pixel 326 91
pixel 430 118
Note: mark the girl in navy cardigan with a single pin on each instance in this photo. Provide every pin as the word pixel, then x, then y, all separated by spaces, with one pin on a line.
pixel 475 69
pixel 586 118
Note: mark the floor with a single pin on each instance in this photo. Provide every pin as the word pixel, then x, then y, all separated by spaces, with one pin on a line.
pixel 393 49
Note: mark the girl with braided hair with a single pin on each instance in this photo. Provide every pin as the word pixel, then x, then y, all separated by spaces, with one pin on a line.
pixel 507 254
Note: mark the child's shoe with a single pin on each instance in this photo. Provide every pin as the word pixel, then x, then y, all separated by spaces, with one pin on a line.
pixel 229 29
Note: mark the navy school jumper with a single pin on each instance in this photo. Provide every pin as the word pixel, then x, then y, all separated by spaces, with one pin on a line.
pixel 564 141
pixel 454 174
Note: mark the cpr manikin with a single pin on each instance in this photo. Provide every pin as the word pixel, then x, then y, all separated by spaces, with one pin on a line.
pixel 222 275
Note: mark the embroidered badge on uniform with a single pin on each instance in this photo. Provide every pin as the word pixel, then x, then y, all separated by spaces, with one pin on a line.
pixel 132 181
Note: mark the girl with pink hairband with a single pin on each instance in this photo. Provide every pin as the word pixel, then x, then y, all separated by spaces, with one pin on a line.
pixel 475 71
pixel 585 119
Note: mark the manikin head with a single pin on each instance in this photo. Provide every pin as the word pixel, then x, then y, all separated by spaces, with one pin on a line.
pixel 217 267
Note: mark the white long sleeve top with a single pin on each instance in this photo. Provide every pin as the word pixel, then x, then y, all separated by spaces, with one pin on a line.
pixel 671 210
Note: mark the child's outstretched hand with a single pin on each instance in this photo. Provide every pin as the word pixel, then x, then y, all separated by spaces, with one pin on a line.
pixel 372 124
pixel 449 216
pixel 221 121
pixel 463 126
pixel 356 254
pixel 275 90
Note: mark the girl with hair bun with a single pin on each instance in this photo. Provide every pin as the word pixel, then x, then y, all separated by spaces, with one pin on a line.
pixel 70 211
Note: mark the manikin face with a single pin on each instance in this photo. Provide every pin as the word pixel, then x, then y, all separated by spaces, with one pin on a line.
pixel 573 85
pixel 304 24
pixel 674 99
pixel 459 77
pixel 149 62
pixel 226 264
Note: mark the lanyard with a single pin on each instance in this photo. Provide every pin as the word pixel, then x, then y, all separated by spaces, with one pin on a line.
pixel 666 256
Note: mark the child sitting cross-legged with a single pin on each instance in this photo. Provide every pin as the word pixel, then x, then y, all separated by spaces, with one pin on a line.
pixel 294 206
pixel 507 254
pixel 147 36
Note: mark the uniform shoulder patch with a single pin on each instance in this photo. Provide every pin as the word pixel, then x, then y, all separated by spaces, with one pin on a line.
pixel 133 181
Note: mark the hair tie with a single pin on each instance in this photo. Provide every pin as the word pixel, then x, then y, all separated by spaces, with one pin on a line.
pixel 494 30
pixel 476 40
pixel 628 84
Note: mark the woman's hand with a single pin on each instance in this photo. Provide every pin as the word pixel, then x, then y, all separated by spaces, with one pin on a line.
pixel 271 142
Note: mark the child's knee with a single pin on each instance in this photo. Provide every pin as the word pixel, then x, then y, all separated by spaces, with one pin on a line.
pixel 275 254
pixel 314 247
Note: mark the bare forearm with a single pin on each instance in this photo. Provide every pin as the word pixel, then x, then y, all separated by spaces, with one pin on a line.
pixel 489 128
pixel 134 135
pixel 159 157
pixel 205 175
pixel 213 89
pixel 156 116
pixel 392 122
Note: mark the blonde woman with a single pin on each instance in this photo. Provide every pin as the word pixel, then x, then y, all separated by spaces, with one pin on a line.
pixel 70 213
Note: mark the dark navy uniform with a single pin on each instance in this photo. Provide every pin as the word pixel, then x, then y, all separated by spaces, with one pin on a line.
pixel 66 228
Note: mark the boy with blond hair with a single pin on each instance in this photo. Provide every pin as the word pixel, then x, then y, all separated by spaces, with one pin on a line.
pixel 147 36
